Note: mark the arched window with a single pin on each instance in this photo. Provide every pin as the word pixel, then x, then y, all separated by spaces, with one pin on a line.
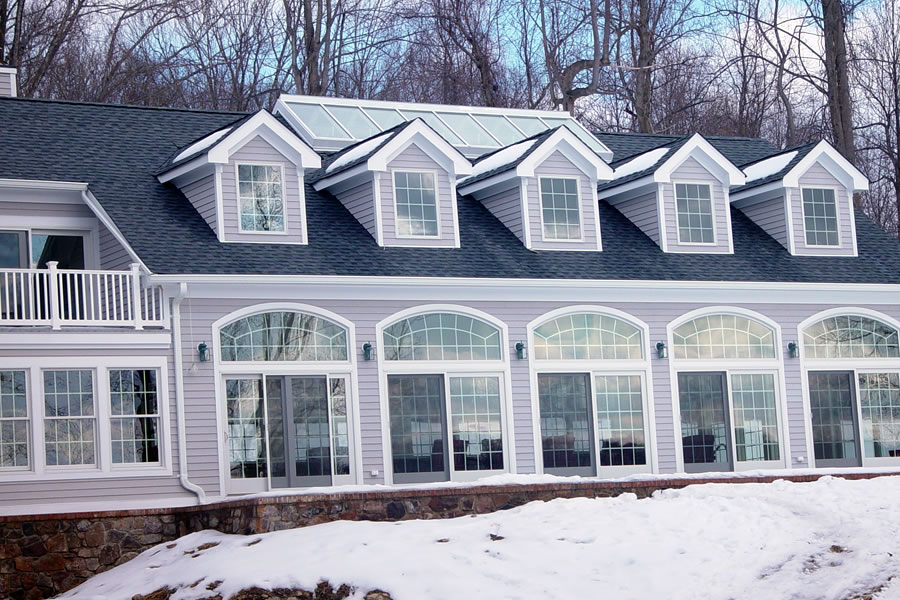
pixel 441 336
pixel 587 336
pixel 723 336
pixel 850 336
pixel 283 336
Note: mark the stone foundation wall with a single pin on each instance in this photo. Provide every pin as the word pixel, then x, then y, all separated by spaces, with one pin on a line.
pixel 44 555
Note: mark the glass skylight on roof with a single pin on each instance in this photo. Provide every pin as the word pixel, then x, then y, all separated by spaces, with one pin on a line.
pixel 356 122
pixel 330 124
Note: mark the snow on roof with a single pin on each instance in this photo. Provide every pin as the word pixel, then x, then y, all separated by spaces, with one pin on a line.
pixel 202 144
pixel 357 152
pixel 640 163
pixel 768 166
pixel 499 158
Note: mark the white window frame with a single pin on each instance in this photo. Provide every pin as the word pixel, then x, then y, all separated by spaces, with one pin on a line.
pixel 158 417
pixel 854 365
pixel 712 208
pixel 743 366
pixel 95 418
pixel 29 418
pixel 837 215
pixel 89 235
pixel 540 198
pixel 437 204
pixel 261 369
pixel 103 467
pixel 593 368
pixel 446 369
pixel 237 194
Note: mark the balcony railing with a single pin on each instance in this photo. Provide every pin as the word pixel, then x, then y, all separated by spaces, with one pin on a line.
pixel 67 297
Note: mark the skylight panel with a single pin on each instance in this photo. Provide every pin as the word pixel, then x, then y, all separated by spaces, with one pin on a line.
pixel 529 125
pixel 354 121
pixel 436 124
pixel 473 133
pixel 385 117
pixel 320 123
pixel 500 128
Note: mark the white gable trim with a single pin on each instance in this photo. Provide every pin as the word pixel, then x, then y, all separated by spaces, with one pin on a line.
pixel 419 133
pixel 263 124
pixel 576 151
pixel 832 160
pixel 705 153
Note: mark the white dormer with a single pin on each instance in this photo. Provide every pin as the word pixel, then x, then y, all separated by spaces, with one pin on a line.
pixel 544 189
pixel 804 199
pixel 400 185
pixel 247 180
pixel 678 195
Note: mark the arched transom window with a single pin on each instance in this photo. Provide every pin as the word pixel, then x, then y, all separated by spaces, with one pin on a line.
pixel 442 336
pixel 723 336
pixel 587 336
pixel 283 336
pixel 850 336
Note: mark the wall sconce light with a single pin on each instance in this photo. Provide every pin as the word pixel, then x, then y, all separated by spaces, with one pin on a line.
pixel 367 351
pixel 521 351
pixel 203 352
pixel 661 351
pixel 793 350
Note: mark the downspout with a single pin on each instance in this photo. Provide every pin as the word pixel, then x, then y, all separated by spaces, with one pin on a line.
pixel 179 398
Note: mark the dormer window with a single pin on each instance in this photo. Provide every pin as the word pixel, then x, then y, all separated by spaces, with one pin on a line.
pixel 820 217
pixel 261 197
pixel 561 209
pixel 415 203
pixel 695 213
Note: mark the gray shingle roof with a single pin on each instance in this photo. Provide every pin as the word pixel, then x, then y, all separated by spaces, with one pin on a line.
pixel 538 140
pixel 329 159
pixel 117 149
pixel 802 151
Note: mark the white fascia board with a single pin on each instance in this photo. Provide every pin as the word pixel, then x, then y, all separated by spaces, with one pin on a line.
pixel 737 196
pixel 487 184
pixel 304 156
pixel 338 178
pixel 706 154
pixel 575 150
pixel 419 132
pixel 826 155
pixel 609 193
pixel 38 184
pixel 181 170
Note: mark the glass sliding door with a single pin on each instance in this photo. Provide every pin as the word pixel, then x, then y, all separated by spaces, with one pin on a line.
pixel 418 428
pixel 835 424
pixel 475 417
pixel 245 432
pixel 755 414
pixel 879 403
pixel 620 420
pixel 566 424
pixel 705 428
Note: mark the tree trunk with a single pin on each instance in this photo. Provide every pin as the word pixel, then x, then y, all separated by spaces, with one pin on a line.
pixel 836 72
pixel 643 79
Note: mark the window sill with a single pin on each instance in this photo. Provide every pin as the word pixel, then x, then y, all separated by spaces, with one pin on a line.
pixel 59 475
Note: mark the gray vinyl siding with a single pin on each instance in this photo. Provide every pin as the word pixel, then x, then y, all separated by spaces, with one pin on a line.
pixel 770 215
pixel 507 206
pixel 643 211
pixel 360 201
pixel 692 171
pixel 818 176
pixel 414 158
pixel 104 488
pixel 113 256
pixel 258 150
pixel 6 84
pixel 202 194
pixel 557 165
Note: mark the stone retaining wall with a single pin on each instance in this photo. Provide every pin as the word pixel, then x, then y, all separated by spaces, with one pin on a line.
pixel 43 555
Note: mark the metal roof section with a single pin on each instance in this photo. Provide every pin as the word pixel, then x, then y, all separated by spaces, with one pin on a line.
pixel 329 124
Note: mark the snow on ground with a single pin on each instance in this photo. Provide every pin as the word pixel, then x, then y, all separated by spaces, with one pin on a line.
pixel 833 539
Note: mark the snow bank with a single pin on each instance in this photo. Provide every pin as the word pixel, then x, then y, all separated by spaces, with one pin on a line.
pixel 832 539
pixel 640 162
pixel 768 166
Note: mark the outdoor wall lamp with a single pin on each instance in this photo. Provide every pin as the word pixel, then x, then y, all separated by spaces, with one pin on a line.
pixel 661 351
pixel 203 352
pixel 793 350
pixel 521 351
pixel 367 351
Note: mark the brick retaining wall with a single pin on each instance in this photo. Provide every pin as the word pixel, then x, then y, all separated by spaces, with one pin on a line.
pixel 43 555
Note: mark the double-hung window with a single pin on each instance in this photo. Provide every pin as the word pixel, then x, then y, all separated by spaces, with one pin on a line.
pixel 14 423
pixel 695 214
pixel 261 198
pixel 415 204
pixel 70 432
pixel 134 416
pixel 820 217
pixel 560 208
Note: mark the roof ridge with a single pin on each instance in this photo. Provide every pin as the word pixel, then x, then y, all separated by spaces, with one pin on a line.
pixel 126 106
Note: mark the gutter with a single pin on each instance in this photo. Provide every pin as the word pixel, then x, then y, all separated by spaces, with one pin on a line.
pixel 179 398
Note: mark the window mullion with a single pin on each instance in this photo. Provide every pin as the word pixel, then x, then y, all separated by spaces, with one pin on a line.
pixel 102 412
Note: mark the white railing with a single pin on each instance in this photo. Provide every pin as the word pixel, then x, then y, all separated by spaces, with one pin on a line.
pixel 67 297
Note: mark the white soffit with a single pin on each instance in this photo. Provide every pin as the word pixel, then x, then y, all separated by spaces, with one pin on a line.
pixel 334 123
